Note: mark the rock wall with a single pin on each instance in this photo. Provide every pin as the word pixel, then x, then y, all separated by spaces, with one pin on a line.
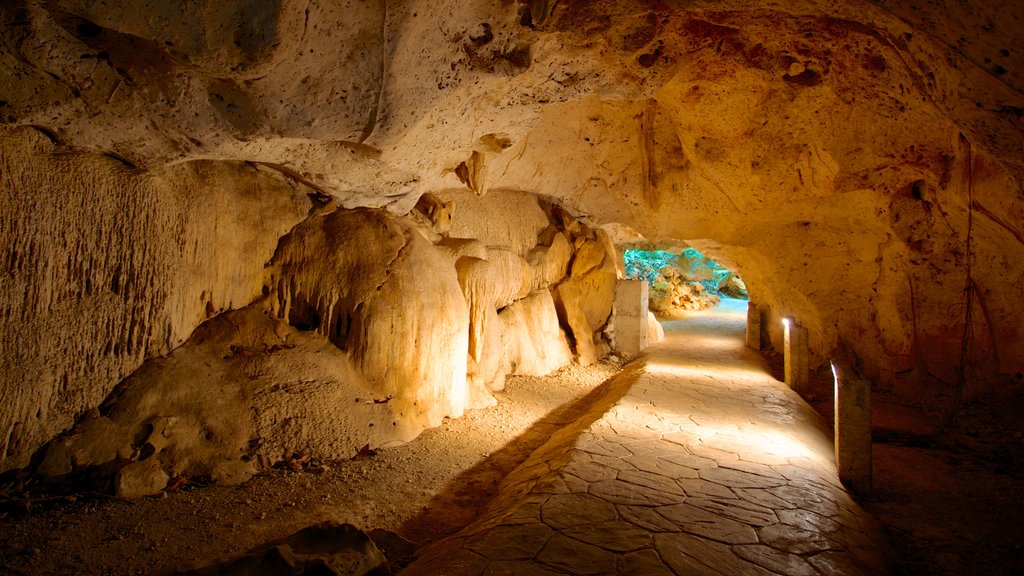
pixel 106 267
pixel 842 177
pixel 859 163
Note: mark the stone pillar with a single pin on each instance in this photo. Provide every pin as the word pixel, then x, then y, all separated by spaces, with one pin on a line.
pixel 630 316
pixel 852 427
pixel 795 355
pixel 753 326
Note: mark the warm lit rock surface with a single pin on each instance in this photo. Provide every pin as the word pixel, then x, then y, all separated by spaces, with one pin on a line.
pixel 858 163
pixel 246 390
pixel 105 267
pixel 702 463
pixel 369 334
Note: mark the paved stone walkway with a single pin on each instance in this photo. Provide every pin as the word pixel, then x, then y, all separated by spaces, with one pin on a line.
pixel 702 463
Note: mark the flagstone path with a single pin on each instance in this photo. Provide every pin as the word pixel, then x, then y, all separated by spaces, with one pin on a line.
pixel 700 462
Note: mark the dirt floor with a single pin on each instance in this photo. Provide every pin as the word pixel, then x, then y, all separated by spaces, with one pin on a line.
pixel 951 498
pixel 423 490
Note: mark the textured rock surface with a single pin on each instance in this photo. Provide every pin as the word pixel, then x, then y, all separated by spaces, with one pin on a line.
pixel 246 388
pixel 533 342
pixel 859 163
pixel 372 285
pixel 105 267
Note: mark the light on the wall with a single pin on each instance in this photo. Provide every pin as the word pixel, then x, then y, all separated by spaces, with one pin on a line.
pixel 787 320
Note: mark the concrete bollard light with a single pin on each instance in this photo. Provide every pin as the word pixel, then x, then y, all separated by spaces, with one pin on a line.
pixel 753 326
pixel 796 368
pixel 852 428
pixel 630 316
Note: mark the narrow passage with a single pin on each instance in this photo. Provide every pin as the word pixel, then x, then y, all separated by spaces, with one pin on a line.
pixel 705 465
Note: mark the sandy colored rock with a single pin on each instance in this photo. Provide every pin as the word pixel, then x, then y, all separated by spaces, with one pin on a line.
pixel 655 332
pixel 246 387
pixel 550 262
pixel 859 164
pixel 533 342
pixel 499 218
pixel 593 276
pixel 384 294
pixel 138 479
pixel 107 267
pixel 571 315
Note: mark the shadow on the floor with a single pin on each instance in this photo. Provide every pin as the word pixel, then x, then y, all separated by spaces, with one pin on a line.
pixel 473 492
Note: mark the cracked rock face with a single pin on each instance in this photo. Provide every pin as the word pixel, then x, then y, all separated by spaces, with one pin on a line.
pixel 859 163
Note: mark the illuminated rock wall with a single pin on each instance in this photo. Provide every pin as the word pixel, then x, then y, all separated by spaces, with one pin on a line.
pixel 858 163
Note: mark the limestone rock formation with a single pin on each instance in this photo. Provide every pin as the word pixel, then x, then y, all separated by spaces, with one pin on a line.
pixel 246 388
pixel 106 266
pixel 858 163
pixel 378 290
pixel 533 342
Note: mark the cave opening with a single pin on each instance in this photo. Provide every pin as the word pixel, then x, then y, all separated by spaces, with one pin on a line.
pixel 680 278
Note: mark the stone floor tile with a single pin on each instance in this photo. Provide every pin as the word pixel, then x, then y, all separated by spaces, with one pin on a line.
pixel 614 462
pixel 806 499
pixel 619 492
pixel 762 497
pixel 642 563
pixel 711 453
pixel 688 460
pixel 590 471
pixel 762 457
pixel 682 438
pixel 808 521
pixel 739 510
pixel 647 518
pixel 603 447
pixel 567 510
pixel 631 429
pixel 794 540
pixel 687 554
pixel 688 474
pixel 738 479
pixel 807 472
pixel 659 482
pixel 517 542
pixel 651 462
pixel 575 557
pixel 775 560
pixel 575 484
pixel 527 511
pixel 553 485
pixel 832 562
pixel 751 468
pixel 519 568
pixel 698 488
pixel 708 525
pixel 617 536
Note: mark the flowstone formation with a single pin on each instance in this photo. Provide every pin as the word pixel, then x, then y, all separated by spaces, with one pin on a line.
pixel 859 163
pixel 373 327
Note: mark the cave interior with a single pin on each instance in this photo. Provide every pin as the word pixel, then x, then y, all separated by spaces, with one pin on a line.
pixel 261 250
